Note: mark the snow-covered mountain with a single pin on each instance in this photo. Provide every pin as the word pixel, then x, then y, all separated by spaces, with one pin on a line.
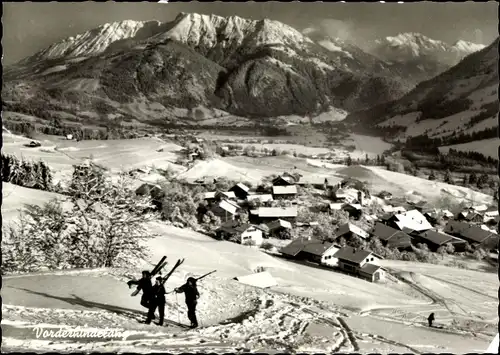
pixel 409 46
pixel 248 68
pixel 458 106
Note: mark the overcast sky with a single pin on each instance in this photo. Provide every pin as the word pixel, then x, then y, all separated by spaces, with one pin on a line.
pixel 29 27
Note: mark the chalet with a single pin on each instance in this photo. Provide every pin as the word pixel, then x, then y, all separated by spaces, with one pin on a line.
pixel 354 210
pixel 278 226
pixel 393 209
pixel 491 213
pixel 391 237
pixel 242 233
pixel 318 182
pixel 385 195
pixel 205 181
pixel 446 215
pixel 335 206
pixel 240 190
pixel 267 214
pixel 345 195
pixel 473 234
pixel 432 217
pixel 372 272
pixel 209 196
pixel 470 215
pixel 312 250
pixel 284 191
pixel 435 239
pixel 349 230
pixel 260 198
pixel 409 221
pixel 284 180
pixel 358 262
pixel 225 210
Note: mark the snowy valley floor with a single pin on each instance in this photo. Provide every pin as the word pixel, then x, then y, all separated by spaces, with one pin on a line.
pixel 312 309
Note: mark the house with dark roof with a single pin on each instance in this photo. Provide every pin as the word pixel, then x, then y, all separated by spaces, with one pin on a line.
pixel 391 237
pixel 386 195
pixel 318 182
pixel 354 210
pixel 267 214
pixel 349 230
pixel 240 190
pixel 284 180
pixel 277 226
pixel 473 234
pixel 311 250
pixel 284 191
pixel 363 263
pixel 242 233
pixel 226 210
pixel 435 239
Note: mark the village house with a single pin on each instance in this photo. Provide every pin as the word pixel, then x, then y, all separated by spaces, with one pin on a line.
pixel 360 262
pixel 348 195
pixel 277 226
pixel 335 206
pixel 393 209
pixel 284 192
pixel 226 210
pixel 349 230
pixel 313 250
pixel 215 196
pixel 268 214
pixel 260 198
pixel 354 210
pixel 284 180
pixel 240 190
pixel 491 213
pixel 317 182
pixel 473 234
pixel 391 237
pixel 385 195
pixel 435 239
pixel 409 221
pixel 242 233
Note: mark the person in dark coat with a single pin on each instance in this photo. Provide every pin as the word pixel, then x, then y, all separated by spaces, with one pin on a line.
pixel 145 285
pixel 430 319
pixel 191 292
pixel 157 301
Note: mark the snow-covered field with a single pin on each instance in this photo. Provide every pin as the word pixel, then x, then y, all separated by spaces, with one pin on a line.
pixel 117 155
pixel 311 309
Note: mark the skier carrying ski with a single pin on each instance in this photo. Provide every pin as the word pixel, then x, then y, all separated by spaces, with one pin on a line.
pixel 145 285
pixel 157 301
pixel 430 319
pixel 191 292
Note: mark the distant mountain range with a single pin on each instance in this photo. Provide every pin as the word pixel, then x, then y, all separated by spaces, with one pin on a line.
pixel 151 71
pixel 458 106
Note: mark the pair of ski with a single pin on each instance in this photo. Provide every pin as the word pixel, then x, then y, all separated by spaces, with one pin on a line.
pixel 157 269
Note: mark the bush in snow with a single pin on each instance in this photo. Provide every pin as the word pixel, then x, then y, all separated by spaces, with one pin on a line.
pixel 103 227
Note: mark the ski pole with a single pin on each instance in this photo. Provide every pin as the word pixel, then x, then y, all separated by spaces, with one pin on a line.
pixel 177 306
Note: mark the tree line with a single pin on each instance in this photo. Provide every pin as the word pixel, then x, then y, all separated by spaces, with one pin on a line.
pixel 35 175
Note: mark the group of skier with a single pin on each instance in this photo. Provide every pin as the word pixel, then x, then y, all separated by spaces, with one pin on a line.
pixel 153 297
